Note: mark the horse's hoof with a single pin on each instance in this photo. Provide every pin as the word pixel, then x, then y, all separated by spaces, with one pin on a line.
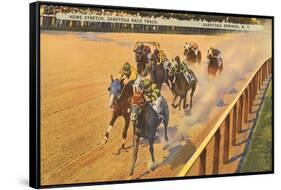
pixel 166 139
pixel 186 106
pixel 131 173
pixel 152 167
pixel 105 140
pixel 118 152
pixel 174 106
pixel 123 146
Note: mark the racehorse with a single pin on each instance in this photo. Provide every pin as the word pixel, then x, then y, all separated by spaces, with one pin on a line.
pixel 119 94
pixel 181 88
pixel 142 61
pixel 191 55
pixel 158 74
pixel 145 122
pixel 215 64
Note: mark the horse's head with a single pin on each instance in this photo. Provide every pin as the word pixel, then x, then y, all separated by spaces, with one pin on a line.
pixel 187 48
pixel 137 102
pixel 114 89
pixel 171 68
pixel 209 53
pixel 138 54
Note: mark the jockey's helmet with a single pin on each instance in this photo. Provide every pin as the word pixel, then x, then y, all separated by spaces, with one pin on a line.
pixel 177 59
pixel 146 83
pixel 141 46
pixel 127 68
pixel 156 51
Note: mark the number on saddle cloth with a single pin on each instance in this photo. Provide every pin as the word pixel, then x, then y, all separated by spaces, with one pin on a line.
pixel 188 76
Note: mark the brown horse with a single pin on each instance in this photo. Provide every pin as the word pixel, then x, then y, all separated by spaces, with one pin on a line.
pixel 119 94
pixel 181 88
pixel 215 62
pixel 192 54
pixel 142 61
pixel 158 74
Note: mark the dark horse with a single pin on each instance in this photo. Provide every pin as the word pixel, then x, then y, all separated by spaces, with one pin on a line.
pixel 181 88
pixel 118 100
pixel 145 122
pixel 158 74
pixel 192 56
pixel 215 64
pixel 142 61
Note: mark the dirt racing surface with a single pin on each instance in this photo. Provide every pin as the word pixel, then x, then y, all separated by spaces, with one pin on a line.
pixel 75 75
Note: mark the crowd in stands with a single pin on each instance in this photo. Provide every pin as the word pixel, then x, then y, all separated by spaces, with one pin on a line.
pixel 53 10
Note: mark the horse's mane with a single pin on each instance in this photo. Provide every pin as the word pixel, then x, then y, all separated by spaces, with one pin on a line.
pixel 124 86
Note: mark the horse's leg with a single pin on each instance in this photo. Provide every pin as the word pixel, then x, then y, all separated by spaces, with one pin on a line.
pixel 199 56
pixel 174 100
pixel 151 149
pixel 180 103
pixel 113 119
pixel 184 103
pixel 165 122
pixel 191 94
pixel 125 130
pixel 221 68
pixel 135 153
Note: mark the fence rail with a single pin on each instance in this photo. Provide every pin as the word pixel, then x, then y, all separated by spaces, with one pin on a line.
pixel 237 112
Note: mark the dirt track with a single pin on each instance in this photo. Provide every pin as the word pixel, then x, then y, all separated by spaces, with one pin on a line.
pixel 76 70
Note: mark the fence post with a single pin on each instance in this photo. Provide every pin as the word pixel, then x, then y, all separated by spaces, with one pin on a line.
pixel 256 85
pixel 258 80
pixel 234 124
pixel 260 74
pixel 216 160
pixel 240 113
pixel 246 108
pixel 202 167
pixel 263 73
pixel 226 140
pixel 251 94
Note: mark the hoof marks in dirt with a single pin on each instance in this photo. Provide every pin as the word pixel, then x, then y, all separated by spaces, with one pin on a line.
pixel 220 103
pixel 232 91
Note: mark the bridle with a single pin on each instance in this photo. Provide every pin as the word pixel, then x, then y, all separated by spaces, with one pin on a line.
pixel 140 105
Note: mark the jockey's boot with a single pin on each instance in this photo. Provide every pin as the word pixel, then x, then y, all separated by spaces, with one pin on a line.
pixel 160 117
pixel 173 87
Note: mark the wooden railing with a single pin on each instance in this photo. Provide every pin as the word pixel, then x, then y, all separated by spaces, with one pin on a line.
pixel 237 112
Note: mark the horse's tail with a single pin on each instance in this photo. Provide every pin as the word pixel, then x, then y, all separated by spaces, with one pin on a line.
pixel 165 110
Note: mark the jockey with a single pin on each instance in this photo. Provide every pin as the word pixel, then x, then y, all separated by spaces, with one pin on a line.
pixel 152 94
pixel 159 56
pixel 182 67
pixel 193 46
pixel 215 53
pixel 146 50
pixel 129 74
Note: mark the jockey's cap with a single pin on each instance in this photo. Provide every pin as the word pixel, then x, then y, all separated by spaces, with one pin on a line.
pixel 146 83
pixel 156 51
pixel 177 59
pixel 127 67
pixel 141 46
